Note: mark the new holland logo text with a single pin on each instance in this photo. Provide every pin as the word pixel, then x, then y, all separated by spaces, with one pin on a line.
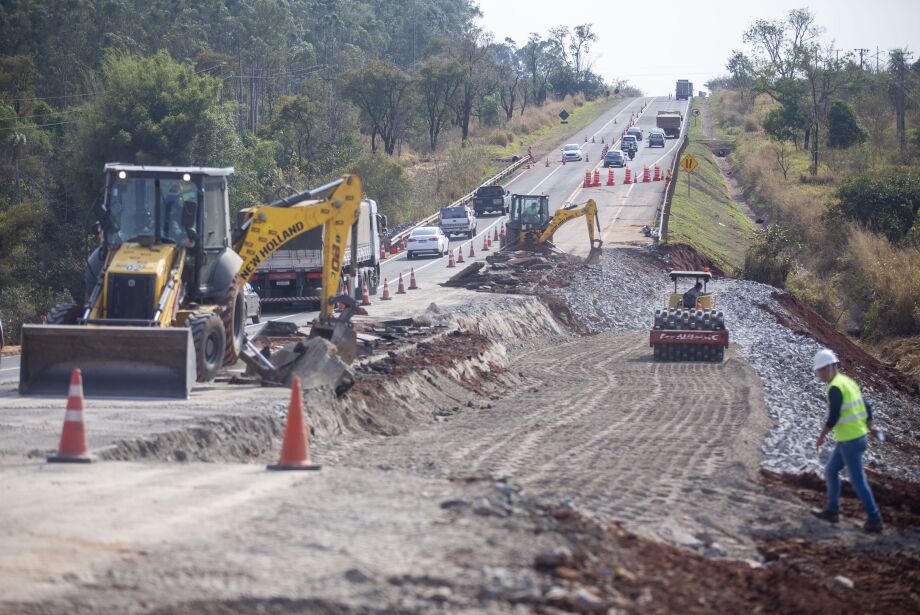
pixel 270 246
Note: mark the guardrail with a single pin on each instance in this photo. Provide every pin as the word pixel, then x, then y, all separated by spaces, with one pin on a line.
pixel 396 239
pixel 665 209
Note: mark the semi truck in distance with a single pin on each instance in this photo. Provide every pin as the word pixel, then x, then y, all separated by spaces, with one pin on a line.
pixel 669 122
pixel 294 273
pixel 684 89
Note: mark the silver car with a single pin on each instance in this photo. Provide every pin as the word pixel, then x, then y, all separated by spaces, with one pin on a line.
pixel 253 304
pixel 571 152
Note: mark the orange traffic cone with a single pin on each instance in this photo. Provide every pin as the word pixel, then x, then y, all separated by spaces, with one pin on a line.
pixel 597 178
pixel 472 252
pixel 610 179
pixel 365 295
pixel 412 284
pixel 401 289
pixel 495 234
pixel 592 139
pixel 73 447
pixel 383 252
pixel 386 291
pixel 450 260
pixel 295 448
pixel 485 243
pixel 587 183
pixel 646 177
pixel 460 255
pixel 547 163
pixel 587 158
pixel 628 179
pixel 657 176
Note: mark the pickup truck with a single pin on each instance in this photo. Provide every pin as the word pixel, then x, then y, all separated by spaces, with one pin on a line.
pixel 629 144
pixel 491 199
pixel 458 220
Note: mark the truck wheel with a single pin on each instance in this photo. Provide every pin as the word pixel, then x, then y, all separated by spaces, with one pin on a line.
pixel 209 340
pixel 64 314
pixel 233 318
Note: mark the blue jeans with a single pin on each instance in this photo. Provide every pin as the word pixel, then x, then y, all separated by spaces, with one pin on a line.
pixel 849 454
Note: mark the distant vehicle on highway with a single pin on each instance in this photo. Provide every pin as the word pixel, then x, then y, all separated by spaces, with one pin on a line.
pixel 491 199
pixel 614 158
pixel 253 304
pixel 458 220
pixel 635 131
pixel 571 152
pixel 656 139
pixel 427 240
pixel 669 122
pixel 684 89
pixel 629 144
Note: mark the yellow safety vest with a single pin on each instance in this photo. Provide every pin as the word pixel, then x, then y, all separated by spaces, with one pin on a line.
pixel 852 423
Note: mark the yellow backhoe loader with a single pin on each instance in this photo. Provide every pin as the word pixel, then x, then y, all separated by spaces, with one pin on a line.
pixel 164 302
pixel 531 227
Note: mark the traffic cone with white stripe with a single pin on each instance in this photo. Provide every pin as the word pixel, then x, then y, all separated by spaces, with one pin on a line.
pixel 365 295
pixel 611 181
pixel 386 291
pixel 597 178
pixel 412 284
pixel 401 289
pixel 73 447
pixel 460 255
pixel 657 176
pixel 587 183
pixel 646 177
pixel 472 251
pixel 450 260
pixel 495 234
pixel 485 242
pixel 295 448
pixel 628 179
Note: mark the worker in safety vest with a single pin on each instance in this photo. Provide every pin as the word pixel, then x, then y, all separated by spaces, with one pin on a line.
pixel 850 418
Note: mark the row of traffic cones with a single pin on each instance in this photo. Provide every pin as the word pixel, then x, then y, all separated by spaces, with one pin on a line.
pixel 594 179
pixel 74 448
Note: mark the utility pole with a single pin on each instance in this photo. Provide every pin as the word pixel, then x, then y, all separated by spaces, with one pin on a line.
pixel 877 54
pixel 899 61
pixel 861 51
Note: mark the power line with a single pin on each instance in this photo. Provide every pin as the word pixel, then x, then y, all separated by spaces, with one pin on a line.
pixel 43 125
pixel 49 97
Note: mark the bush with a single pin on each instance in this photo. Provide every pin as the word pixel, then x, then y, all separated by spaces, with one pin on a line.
pixel 843 127
pixel 384 180
pixel 21 305
pixel 886 203
pixel 771 258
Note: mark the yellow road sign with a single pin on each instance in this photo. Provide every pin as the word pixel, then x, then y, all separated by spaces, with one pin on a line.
pixel 688 163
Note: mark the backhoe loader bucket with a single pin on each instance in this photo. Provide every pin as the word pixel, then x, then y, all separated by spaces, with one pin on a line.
pixel 594 256
pixel 115 361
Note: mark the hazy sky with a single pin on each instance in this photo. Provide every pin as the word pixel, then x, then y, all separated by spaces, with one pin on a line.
pixel 655 43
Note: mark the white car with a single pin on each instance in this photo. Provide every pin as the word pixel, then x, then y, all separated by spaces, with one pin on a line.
pixel 571 152
pixel 427 240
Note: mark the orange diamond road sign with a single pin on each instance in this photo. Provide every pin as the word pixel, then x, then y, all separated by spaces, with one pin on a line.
pixel 688 163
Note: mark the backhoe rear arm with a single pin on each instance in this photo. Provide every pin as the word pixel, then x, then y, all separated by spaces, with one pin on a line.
pixel 564 215
pixel 335 207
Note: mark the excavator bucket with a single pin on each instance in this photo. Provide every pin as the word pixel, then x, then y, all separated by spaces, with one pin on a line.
pixel 594 256
pixel 115 361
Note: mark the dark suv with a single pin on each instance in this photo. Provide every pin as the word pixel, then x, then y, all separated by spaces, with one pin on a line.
pixel 614 158
pixel 656 139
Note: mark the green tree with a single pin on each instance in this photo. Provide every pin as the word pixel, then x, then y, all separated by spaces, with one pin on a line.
pixel 382 91
pixel 385 180
pixel 772 256
pixel 438 83
pixel 843 127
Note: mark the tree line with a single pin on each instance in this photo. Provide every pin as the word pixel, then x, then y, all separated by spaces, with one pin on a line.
pixel 289 92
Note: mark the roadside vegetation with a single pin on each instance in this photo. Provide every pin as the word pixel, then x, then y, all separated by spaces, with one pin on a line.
pixel 705 217
pixel 828 150
pixel 414 96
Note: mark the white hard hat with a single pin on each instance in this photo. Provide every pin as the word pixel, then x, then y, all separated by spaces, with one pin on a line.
pixel 824 357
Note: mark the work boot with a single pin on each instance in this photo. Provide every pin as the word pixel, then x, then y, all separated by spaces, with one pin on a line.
pixel 827 515
pixel 873 526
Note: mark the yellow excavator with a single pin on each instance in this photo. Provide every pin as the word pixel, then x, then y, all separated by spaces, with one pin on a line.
pixel 531 227
pixel 164 305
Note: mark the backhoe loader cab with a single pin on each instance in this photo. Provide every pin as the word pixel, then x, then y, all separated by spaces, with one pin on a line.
pixel 529 212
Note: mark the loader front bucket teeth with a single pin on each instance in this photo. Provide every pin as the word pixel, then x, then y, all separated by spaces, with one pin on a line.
pixel 115 361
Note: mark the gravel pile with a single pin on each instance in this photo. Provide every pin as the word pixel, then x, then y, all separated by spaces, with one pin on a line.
pixel 622 292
